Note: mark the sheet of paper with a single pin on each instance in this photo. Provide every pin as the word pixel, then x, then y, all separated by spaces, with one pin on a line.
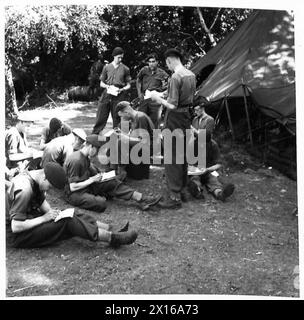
pixel 195 171
pixel 148 94
pixel 113 90
pixel 67 213
pixel 215 173
pixel 108 133
pixel 108 175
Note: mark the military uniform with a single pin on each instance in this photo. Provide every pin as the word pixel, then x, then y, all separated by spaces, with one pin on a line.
pixel 47 135
pixel 141 170
pixel 181 89
pixel 206 122
pixel 118 77
pixel 15 142
pixel 24 201
pixel 209 180
pixel 152 80
pixel 57 150
pixel 78 168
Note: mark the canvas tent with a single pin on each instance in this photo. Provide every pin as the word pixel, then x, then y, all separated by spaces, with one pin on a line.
pixel 256 59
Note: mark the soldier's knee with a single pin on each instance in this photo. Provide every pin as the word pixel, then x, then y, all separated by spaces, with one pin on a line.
pixel 100 204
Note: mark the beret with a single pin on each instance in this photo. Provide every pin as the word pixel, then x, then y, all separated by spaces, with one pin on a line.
pixel 55 174
pixel 116 51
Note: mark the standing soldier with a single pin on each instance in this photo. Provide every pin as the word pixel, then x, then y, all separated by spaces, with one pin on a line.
pixel 115 78
pixel 151 78
pixel 181 89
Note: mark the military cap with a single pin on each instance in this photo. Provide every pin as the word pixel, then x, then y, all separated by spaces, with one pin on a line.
pixel 55 174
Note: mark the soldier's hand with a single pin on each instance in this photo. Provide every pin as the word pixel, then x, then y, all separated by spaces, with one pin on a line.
pixel 51 215
pixel 97 177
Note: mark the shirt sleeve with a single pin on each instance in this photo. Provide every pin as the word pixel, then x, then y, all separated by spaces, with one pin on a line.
pixel 164 75
pixel 140 74
pixel 144 129
pixel 67 151
pixel 12 143
pixel 20 205
pixel 210 125
pixel 127 75
pixel 44 134
pixel 174 87
pixel 103 76
pixel 74 172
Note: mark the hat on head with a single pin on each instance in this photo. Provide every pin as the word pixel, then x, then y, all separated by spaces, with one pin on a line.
pixel 25 118
pixel 173 53
pixel 80 133
pixel 55 174
pixel 117 51
pixel 121 105
pixel 94 141
pixel 55 124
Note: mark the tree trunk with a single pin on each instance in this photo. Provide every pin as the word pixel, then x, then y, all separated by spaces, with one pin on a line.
pixel 206 29
pixel 10 96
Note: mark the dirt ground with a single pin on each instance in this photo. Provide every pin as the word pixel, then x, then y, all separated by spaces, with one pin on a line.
pixel 245 246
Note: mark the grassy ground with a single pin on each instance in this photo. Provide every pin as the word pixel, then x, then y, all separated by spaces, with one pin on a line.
pixel 245 246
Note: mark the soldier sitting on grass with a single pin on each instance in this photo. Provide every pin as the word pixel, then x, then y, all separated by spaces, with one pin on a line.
pixel 59 148
pixel 140 122
pixel 208 177
pixel 17 150
pixel 85 187
pixel 55 129
pixel 31 222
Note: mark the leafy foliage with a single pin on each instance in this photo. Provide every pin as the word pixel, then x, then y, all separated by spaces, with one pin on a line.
pixel 42 39
pixel 139 28
pixel 55 45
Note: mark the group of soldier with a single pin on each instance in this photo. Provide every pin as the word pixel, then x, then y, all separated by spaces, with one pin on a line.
pixel 68 157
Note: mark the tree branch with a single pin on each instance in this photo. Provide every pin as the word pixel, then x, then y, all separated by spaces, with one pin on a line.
pixel 190 36
pixel 205 28
pixel 215 18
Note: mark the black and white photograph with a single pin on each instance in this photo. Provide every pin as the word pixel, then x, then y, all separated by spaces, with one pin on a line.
pixel 151 151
